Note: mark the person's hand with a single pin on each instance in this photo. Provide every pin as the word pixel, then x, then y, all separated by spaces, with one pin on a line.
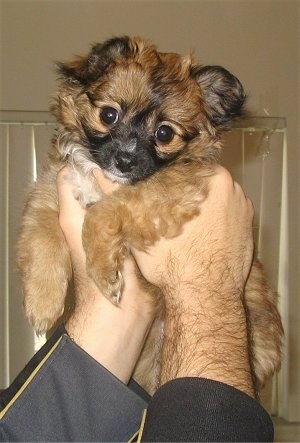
pixel 219 238
pixel 102 329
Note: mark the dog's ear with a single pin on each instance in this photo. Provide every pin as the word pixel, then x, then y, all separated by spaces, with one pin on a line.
pixel 223 94
pixel 84 70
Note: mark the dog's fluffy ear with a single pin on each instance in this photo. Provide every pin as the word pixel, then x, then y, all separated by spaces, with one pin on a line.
pixel 223 94
pixel 84 70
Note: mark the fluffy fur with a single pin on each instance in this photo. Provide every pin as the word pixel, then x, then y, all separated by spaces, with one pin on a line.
pixel 152 121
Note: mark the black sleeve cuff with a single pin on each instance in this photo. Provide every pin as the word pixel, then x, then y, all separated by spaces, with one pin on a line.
pixel 195 409
pixel 63 394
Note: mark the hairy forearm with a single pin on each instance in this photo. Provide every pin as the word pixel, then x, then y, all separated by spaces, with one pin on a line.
pixel 206 333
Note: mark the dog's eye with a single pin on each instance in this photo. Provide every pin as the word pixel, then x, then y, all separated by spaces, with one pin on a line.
pixel 164 134
pixel 109 115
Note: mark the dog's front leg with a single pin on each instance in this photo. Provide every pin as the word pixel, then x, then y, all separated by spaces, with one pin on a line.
pixel 105 246
pixel 132 217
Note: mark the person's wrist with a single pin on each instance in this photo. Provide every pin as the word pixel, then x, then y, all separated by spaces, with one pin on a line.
pixel 105 332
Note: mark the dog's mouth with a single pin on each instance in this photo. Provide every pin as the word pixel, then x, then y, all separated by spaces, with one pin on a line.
pixel 118 177
pixel 131 177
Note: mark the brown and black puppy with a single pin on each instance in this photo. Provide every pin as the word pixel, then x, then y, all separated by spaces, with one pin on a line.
pixel 152 122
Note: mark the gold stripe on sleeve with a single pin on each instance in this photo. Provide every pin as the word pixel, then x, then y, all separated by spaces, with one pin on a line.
pixel 29 379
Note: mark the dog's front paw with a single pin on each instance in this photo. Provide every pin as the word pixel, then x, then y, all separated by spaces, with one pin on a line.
pixel 109 283
pixel 115 288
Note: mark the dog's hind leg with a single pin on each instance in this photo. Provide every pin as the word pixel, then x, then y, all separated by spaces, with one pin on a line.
pixel 266 332
pixel 44 262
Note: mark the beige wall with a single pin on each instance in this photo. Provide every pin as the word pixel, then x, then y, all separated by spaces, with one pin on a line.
pixel 258 40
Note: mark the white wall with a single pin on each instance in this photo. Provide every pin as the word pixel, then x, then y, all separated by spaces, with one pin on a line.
pixel 258 40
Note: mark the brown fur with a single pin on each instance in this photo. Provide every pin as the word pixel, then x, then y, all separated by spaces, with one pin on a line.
pixel 148 89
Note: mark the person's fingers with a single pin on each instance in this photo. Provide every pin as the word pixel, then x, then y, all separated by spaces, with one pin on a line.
pixel 106 185
pixel 70 209
pixel 71 216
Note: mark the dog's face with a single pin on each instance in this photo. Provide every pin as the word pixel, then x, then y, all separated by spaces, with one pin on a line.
pixel 132 110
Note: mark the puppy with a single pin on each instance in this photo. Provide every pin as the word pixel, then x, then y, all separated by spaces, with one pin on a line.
pixel 152 122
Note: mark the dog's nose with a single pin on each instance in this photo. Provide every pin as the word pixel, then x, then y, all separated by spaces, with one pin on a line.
pixel 125 162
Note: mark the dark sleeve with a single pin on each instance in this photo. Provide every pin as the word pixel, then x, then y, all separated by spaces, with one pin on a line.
pixel 195 409
pixel 65 395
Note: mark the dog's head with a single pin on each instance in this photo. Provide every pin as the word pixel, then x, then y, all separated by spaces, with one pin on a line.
pixel 132 110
